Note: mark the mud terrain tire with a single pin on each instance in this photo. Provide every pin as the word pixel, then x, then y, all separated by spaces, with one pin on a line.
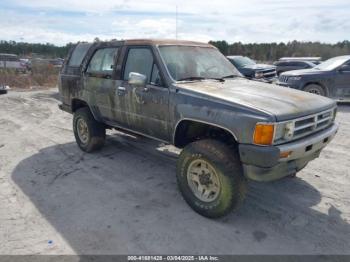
pixel 224 166
pixel 89 134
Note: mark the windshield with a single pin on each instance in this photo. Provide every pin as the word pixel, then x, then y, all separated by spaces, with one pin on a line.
pixel 242 61
pixel 332 63
pixel 191 62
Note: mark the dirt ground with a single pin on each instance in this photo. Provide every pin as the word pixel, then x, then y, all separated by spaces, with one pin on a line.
pixel 55 199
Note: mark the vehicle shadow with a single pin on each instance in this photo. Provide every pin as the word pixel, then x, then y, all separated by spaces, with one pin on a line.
pixel 124 200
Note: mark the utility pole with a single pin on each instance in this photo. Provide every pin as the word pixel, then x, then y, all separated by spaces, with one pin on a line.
pixel 176 24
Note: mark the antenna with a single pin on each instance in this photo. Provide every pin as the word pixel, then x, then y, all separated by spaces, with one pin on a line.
pixel 176 24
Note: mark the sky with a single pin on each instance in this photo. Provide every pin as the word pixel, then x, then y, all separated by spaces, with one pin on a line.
pixel 248 21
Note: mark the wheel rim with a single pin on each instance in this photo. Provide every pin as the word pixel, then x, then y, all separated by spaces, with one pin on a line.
pixel 314 91
pixel 82 130
pixel 203 180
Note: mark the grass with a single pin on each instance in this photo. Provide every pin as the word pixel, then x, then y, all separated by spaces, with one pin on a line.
pixel 39 76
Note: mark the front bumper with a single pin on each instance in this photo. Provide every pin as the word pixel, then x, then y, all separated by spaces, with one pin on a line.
pixel 265 164
pixel 268 80
pixel 295 84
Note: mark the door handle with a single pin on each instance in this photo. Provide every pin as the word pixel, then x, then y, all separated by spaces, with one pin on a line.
pixel 121 90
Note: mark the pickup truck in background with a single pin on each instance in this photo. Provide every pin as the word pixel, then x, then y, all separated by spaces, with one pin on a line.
pixel 251 70
pixel 189 95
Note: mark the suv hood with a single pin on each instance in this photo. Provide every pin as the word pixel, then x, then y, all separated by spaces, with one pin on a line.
pixel 302 72
pixel 282 102
pixel 259 67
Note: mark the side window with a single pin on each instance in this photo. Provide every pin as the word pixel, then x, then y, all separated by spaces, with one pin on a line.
pixel 139 60
pixel 102 61
pixel 78 54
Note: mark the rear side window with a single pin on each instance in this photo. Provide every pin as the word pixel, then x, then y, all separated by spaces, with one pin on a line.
pixel 282 64
pixel 103 61
pixel 78 54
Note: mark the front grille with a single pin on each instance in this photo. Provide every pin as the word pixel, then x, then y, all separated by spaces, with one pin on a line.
pixel 283 79
pixel 313 123
pixel 269 73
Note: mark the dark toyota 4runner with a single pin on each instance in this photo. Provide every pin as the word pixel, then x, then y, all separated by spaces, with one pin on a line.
pixel 189 95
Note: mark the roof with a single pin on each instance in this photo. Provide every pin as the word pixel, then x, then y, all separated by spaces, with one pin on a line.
pixel 5 54
pixel 163 42
pixel 300 58
pixel 233 56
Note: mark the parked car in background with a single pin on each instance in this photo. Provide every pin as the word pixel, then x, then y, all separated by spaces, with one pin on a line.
pixel 11 61
pixel 57 62
pixel 189 95
pixel 330 78
pixel 250 69
pixel 315 60
pixel 25 62
pixel 284 66
pixel 3 89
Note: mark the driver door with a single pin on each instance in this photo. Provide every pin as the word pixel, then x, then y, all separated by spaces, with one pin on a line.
pixel 146 108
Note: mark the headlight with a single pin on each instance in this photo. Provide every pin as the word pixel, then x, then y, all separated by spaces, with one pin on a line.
pixel 284 131
pixel 259 74
pixel 268 133
pixel 294 78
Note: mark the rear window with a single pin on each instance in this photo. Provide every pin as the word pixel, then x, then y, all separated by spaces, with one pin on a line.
pixel 78 54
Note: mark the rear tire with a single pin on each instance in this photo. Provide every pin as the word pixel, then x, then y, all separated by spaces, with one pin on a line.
pixel 315 89
pixel 89 134
pixel 210 178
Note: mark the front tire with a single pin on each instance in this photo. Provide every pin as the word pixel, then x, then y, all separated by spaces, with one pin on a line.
pixel 315 89
pixel 210 178
pixel 89 134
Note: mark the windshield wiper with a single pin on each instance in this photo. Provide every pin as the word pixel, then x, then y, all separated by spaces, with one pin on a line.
pixel 193 78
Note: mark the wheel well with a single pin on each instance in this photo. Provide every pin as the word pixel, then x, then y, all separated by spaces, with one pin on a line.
pixel 319 84
pixel 188 131
pixel 77 103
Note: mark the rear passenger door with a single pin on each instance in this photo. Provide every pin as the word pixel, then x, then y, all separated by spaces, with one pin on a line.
pixel 99 82
pixel 146 108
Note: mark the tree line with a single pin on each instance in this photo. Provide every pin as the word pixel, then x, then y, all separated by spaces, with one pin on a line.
pixel 274 51
pixel 34 49
pixel 260 52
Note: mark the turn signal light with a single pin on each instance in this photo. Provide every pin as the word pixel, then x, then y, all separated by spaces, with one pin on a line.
pixel 285 154
pixel 263 134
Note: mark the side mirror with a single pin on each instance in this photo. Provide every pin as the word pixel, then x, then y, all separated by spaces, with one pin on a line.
pixel 344 68
pixel 137 79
